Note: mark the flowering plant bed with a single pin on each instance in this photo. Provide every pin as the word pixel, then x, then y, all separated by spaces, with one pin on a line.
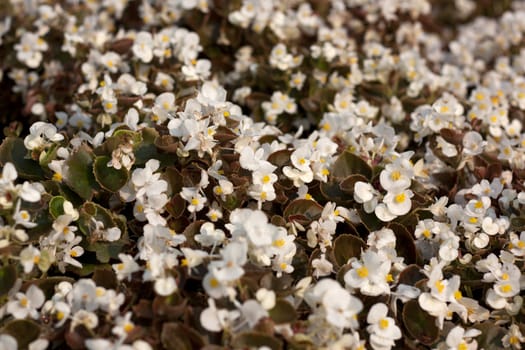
pixel 184 174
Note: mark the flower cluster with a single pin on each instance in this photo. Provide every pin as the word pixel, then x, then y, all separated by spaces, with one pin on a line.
pixel 343 174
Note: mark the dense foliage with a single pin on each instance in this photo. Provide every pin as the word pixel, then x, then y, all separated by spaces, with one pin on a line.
pixel 184 174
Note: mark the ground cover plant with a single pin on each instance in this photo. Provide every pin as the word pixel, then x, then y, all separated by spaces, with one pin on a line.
pixel 262 174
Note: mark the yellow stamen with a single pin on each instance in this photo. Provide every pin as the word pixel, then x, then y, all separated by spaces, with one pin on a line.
pixel 400 198
pixel 383 323
pixel 279 243
pixel 362 272
pixel 506 288
pixel 24 302
pixel 439 286
pixel 396 175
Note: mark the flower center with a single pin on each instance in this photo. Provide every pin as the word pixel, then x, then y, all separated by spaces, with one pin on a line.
pixel 362 272
pixel 383 323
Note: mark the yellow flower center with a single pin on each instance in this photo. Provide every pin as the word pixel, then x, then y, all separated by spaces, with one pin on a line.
pixel 444 109
pixel 194 201
pixel 514 340
pixel 389 278
pixel 279 243
pixel 57 177
pixel 36 259
pixel 439 286
pixel 426 233
pixel 505 276
pixel 463 346
pixel 521 244
pixel 506 288
pixel 362 272
pixel 283 265
pixel 383 323
pixel 214 283
pixel 24 302
pixel 458 295
pixel 396 175
pixel 59 316
pixel 266 179
pixel 400 198
pixel 128 327
pixel 478 205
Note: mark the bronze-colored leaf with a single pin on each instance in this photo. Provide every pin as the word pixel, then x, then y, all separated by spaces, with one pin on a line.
pixel 419 324
pixel 346 247
pixel 349 164
pixel 256 339
pixel 283 312
pixel 309 209
pixel 24 331
pixel 405 246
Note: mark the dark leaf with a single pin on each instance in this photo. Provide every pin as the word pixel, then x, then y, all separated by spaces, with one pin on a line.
pixel 13 150
pixel 257 340
pixel 24 331
pixel 7 278
pixel 283 312
pixel 349 164
pixel 419 324
pixel 347 246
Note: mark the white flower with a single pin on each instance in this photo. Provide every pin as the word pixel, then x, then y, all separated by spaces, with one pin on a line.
pixel 266 298
pixel 126 268
pixel 29 256
pixel 394 178
pixel 229 268
pixel 371 276
pixel 123 325
pixel 26 303
pixel 143 46
pixel 86 318
pixel 457 338
pixel 209 235
pixel 215 320
pixel 165 285
pixel 398 202
pixel 195 199
pixel 383 329
pixel 341 308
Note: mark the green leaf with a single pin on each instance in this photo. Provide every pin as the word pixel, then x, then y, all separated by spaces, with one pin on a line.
pixel 349 164
pixel 419 324
pixel 24 331
pixel 13 150
pixel 256 339
pixel 7 279
pixel 283 312
pixel 109 178
pixel 56 206
pixel 80 174
pixel 346 247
